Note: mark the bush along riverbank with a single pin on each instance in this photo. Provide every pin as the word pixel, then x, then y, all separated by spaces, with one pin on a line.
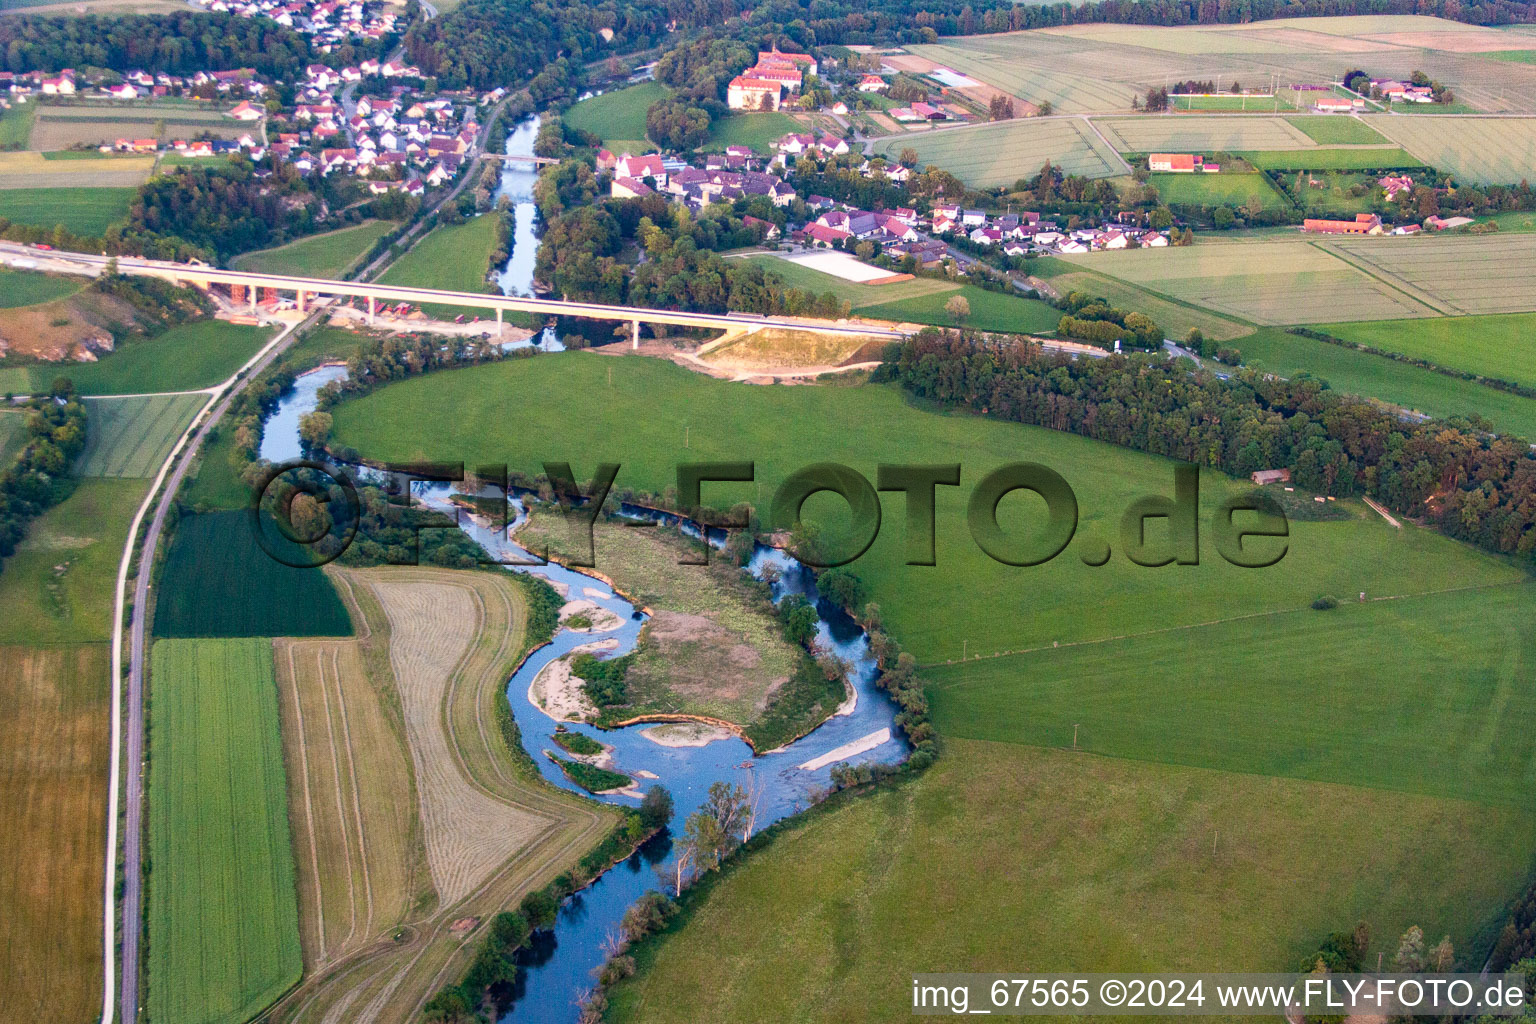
pixel 486 989
pixel 544 604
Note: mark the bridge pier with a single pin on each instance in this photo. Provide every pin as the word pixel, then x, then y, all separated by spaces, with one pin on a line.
pixel 371 305
pixel 302 301
pixel 498 321
pixel 634 336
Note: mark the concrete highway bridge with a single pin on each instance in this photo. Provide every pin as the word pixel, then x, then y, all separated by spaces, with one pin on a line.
pixel 244 286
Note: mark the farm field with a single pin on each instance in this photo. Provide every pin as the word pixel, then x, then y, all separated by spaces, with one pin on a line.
pixel 18 288
pixel 1336 159
pixel 186 357
pixel 326 255
pixel 452 257
pixel 1499 346
pixel 970 844
pixel 1264 280
pixel 1461 273
pixel 1175 318
pixel 1333 130
pixel 1200 134
pixel 13 435
pixel 1237 104
pixel 130 437
pixel 1409 386
pixel 617 117
pixel 57 587
pixel 220 583
pixel 16 125
pixel 223 936
pixel 60 127
pixel 518 411
pixel 1478 150
pixel 25 170
pixel 1215 189
pixel 921 300
pixel 53 770
pixel 759 131
pixel 82 211
pixel 1002 152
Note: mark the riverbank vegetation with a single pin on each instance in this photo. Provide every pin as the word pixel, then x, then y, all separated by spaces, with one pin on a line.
pixel 590 777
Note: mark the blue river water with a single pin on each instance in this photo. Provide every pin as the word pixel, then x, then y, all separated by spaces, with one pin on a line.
pixel 557 967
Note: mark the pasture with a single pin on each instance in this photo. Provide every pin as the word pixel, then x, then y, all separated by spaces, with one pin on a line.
pixel 1336 130
pixel 1500 346
pixel 130 437
pixel 16 125
pixel 1457 273
pixel 219 582
pixel 82 211
pixel 1402 384
pixel 757 131
pixel 1002 152
pixel 452 257
pixel 1478 150
pixel 53 763
pixel 519 411
pixel 64 126
pixel 1337 159
pixel 222 916
pixel 13 435
pixel 618 117
pixel 1197 134
pixel 20 288
pixel 1270 280
pixel 184 358
pixel 1216 189
pixel 25 170
pixel 328 255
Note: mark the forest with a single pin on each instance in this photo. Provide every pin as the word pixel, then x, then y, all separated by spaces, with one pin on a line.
pixel 39 478
pixel 1454 473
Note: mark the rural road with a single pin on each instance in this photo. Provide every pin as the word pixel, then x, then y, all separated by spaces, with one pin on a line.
pixel 133 792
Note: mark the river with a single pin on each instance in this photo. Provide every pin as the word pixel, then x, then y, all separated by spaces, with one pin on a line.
pixel 556 968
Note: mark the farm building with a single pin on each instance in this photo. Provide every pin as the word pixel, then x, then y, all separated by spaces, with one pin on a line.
pixel 753 94
pixel 1272 476
pixel 1363 224
pixel 1179 163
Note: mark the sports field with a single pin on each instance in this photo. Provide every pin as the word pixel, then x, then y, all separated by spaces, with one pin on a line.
pixel 130 437
pixel 1402 384
pixel 617 117
pixel 1200 134
pixel 1334 130
pixel 1216 189
pixel 1478 150
pixel 1457 273
pixel 922 300
pixel 1272 280
pixel 759 131
pixel 326 255
pixel 1500 346
pixel 53 773
pixel 1002 152
pixel 222 913
pixel 219 582
pixel 83 211
pixel 1275 104
pixel 186 357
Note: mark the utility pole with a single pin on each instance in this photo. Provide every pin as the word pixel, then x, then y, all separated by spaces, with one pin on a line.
pixel 1074 735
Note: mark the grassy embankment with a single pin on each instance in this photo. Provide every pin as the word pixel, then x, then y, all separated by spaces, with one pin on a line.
pixel 453 257
pixel 327 255
pixel 618 117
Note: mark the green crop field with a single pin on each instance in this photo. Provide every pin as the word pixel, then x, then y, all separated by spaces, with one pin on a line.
pixel 453 257
pixel 84 211
pixel 222 911
pixel 1235 104
pixel 921 300
pixel 1455 273
pixel 1270 280
pixel 219 582
pixel 1360 158
pixel 1479 150
pixel 19 288
pixel 1216 189
pixel 186 357
pixel 1361 373
pixel 1200 134
pixel 1336 130
pixel 1002 152
pixel 519 411
pixel 759 131
pixel 617 116
pixel 328 255
pixel 16 125
pixel 13 436
pixel 1500 346
pixel 130 437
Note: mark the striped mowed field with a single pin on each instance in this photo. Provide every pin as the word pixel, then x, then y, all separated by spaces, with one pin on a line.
pixel 1002 152
pixel 130 437
pixel 1459 273
pixel 1479 150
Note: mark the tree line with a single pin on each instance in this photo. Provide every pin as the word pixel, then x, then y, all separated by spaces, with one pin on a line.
pixel 1472 484
pixel 39 478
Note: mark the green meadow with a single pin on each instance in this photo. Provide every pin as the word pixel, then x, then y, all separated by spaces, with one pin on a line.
pixel 84 210
pixel 328 255
pixel 618 117
pixel 184 358
pixel 1501 345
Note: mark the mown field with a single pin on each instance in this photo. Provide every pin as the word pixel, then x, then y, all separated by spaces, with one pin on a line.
pixel 453 257
pixel 18 288
pixel 186 357
pixel 1478 150
pixel 1333 130
pixel 922 300
pixel 83 211
pixel 222 913
pixel 617 117
pixel 1272 280
pixel 1216 189
pixel 1455 273
pixel 1200 134
pixel 130 437
pixel 1174 317
pixel 1002 152
pixel 1335 159
pixel 326 255
pixel 759 131
pixel 1363 374
pixel 219 582
pixel 1493 346
pixel 1236 104
pixel 53 791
